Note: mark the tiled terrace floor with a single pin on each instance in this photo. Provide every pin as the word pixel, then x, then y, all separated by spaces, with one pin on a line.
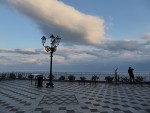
pixel 19 96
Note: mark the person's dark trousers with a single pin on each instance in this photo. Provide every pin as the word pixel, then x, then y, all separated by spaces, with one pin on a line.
pixel 132 79
pixel 116 79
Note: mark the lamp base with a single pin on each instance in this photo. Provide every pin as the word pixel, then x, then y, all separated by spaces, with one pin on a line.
pixel 50 84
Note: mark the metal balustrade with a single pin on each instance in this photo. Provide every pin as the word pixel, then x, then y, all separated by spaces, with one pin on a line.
pixel 88 75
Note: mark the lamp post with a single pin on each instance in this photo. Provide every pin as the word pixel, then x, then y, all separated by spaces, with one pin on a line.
pixel 54 42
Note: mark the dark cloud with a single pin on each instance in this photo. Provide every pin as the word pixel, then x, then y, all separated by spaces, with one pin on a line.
pixel 121 45
pixel 27 52
pixel 110 49
pixel 110 55
pixel 20 51
pixel 6 51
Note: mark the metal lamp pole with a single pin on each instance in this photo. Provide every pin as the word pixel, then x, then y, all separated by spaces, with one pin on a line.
pixel 54 42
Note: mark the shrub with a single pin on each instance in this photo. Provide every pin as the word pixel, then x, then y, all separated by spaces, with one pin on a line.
pixel 109 78
pixel 3 75
pixel 139 79
pixel 20 76
pixel 12 76
pixel 71 77
pixel 82 78
pixel 124 79
pixel 94 78
pixel 30 76
pixel 62 78
pixel 52 77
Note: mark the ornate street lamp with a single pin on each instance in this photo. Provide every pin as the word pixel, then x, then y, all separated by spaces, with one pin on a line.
pixel 54 42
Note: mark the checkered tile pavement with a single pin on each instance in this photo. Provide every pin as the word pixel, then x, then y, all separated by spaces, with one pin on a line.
pixel 20 96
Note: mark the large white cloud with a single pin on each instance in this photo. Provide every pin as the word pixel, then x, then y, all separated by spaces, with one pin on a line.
pixel 53 16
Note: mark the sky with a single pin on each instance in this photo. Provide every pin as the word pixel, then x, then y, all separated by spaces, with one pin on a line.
pixel 96 35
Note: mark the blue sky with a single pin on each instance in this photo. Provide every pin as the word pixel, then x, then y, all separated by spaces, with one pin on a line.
pixel 17 29
pixel 130 18
pixel 97 35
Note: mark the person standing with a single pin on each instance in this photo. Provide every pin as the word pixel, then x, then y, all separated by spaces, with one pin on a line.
pixel 130 72
pixel 116 75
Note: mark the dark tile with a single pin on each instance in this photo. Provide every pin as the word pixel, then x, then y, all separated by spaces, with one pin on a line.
pixel 22 102
pixel 105 106
pixel 62 108
pixel 85 107
pixel 14 109
pixel 123 101
pixel 20 112
pixel 96 104
pixel 140 100
pixel 144 105
pixel 98 100
pixel 38 109
pixel 93 110
pixel 115 99
pixel 131 99
pixel 5 105
pixel 45 111
pixel 148 110
pixel 104 112
pixel 122 97
pixel 84 97
pixel 116 109
pixel 126 106
pixel 134 103
pixel 9 107
pixel 27 104
pixel 33 98
pixel 2 102
pixel 70 111
pixel 115 103
pixel 106 102
pixel 100 97
pixel 137 108
pixel 91 99
pixel 107 98
pixel 88 103
pixel 127 111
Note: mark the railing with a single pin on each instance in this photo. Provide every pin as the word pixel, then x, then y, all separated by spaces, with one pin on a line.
pixel 88 75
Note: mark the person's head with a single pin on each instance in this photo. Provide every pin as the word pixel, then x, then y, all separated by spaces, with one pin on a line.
pixel 129 67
